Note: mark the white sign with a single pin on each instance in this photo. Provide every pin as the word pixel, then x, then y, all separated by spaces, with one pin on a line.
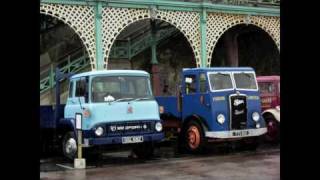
pixel 188 80
pixel 78 121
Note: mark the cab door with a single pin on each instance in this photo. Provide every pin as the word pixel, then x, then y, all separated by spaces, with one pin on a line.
pixel 189 92
pixel 78 99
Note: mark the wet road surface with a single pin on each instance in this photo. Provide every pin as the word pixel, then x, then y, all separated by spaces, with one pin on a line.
pixel 263 164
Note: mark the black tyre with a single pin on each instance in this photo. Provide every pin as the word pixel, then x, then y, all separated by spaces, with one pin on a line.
pixel 144 150
pixel 69 146
pixel 273 126
pixel 193 138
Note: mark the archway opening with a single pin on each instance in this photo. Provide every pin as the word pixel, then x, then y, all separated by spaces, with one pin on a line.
pixel 247 45
pixel 60 46
pixel 132 49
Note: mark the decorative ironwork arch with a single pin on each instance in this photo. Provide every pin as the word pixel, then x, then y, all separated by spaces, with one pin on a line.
pixel 219 23
pixel 80 18
pixel 117 19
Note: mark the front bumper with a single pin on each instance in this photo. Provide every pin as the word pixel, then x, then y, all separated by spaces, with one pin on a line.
pixel 154 137
pixel 236 133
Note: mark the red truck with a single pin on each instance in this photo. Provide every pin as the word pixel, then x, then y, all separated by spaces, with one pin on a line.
pixel 269 87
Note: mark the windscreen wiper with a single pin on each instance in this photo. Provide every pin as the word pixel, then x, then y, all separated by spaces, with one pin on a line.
pixel 139 99
pixel 223 74
pixel 122 99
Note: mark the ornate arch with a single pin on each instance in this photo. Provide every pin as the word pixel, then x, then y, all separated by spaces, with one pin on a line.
pixel 80 19
pixel 218 23
pixel 116 19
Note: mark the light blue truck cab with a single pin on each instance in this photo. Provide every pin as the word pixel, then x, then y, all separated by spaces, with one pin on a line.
pixel 118 108
pixel 215 105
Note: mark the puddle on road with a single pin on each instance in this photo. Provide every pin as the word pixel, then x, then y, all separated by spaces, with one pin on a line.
pixel 161 154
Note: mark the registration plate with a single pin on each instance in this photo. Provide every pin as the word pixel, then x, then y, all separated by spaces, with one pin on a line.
pixel 132 139
pixel 240 133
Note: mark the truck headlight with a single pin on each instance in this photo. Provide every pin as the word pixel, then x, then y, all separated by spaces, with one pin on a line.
pixel 255 116
pixel 158 126
pixel 221 118
pixel 99 131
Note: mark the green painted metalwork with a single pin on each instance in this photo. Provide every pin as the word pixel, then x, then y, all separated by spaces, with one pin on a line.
pixel 98 36
pixel 228 7
pixel 66 66
pixel 126 51
pixel 203 32
pixel 153 43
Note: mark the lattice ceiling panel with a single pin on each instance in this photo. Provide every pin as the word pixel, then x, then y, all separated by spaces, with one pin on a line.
pixel 116 19
pixel 80 19
pixel 218 23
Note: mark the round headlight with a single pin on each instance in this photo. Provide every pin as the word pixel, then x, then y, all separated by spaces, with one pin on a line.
pixel 99 131
pixel 255 116
pixel 221 118
pixel 158 126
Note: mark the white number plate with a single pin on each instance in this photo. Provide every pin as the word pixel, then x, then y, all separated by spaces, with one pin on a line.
pixel 240 133
pixel 132 139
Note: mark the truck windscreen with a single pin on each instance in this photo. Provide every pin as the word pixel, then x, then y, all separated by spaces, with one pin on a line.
pixel 119 87
pixel 220 81
pixel 245 81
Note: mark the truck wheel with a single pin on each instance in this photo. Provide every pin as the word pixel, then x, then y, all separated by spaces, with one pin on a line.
pixel 144 150
pixel 273 126
pixel 69 145
pixel 194 138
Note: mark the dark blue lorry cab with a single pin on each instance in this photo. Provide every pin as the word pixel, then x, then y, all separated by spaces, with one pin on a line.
pixel 214 105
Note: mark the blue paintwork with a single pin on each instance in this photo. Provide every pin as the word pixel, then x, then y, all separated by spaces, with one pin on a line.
pixel 155 137
pixel 47 116
pixel 103 113
pixel 114 112
pixel 209 110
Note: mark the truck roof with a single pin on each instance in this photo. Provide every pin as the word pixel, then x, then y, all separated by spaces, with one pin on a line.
pixel 111 72
pixel 268 78
pixel 218 69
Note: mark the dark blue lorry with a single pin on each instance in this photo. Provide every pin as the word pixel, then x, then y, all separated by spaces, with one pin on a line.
pixel 214 105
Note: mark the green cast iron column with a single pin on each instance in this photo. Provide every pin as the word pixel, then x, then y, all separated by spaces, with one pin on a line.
pixel 203 31
pixel 154 61
pixel 153 42
pixel 98 36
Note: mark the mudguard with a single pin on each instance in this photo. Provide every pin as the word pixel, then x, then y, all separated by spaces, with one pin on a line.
pixel 67 124
pixel 275 112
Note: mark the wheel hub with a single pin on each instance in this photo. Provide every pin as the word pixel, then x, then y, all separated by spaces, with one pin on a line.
pixel 71 146
pixel 193 137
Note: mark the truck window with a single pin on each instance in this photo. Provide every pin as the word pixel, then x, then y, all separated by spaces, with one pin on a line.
pixel 71 89
pixel 81 88
pixel 266 87
pixel 220 81
pixel 190 84
pixel 202 83
pixel 245 81
pixel 120 87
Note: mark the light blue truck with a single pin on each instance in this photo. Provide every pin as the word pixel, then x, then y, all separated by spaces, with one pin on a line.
pixel 117 106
